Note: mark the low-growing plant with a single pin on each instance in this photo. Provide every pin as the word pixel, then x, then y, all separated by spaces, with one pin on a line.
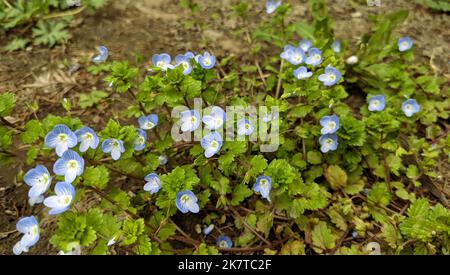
pixel 48 20
pixel 356 138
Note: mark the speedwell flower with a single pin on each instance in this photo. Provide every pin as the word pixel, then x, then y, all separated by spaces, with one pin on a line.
pixel 336 46
pixel 330 77
pixel 29 227
pixel 302 73
pixel 405 43
pixel 162 160
pixel 287 51
pixel 207 61
pixel 305 44
pixel 148 122
pixel 39 179
pixel 87 138
pixel 190 120
pixel 329 142
pixel 376 103
pixel 272 5
pixel 153 183
pixel 245 127
pixel 184 61
pixel 296 56
pixel 207 230
pixel 410 107
pixel 141 138
pixel 70 165
pixel 330 124
pixel 224 241
pixel 60 202
pixel 215 120
pixel 35 200
pixel 263 185
pixel 61 138
pixel 212 143
pixel 162 61
pixel 186 201
pixel 102 56
pixel 314 57
pixel 113 146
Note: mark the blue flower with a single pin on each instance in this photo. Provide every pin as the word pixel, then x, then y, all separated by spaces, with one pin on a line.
pixel 113 146
pixel 376 103
pixel 87 138
pixel 184 61
pixel 39 179
pixel 190 55
pixel 215 120
pixel 206 60
pixel 70 165
pixel 153 183
pixel 314 57
pixel 141 138
pixel 263 185
pixel 269 117
pixel 162 61
pixel 148 122
pixel 330 124
pixel 162 160
pixel 65 193
pixel 410 107
pixel 272 5
pixel 61 138
pixel 212 143
pixel 287 51
pixel 102 56
pixel 186 201
pixel 302 73
pixel 296 56
pixel 329 142
pixel 224 241
pixel 405 43
pixel 330 77
pixel 190 120
pixel 29 227
pixel 336 46
pixel 245 127
pixel 305 44
pixel 207 230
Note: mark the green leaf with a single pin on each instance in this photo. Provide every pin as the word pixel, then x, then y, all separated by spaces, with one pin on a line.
pixel 96 176
pixel 240 193
pixel 191 87
pixel 7 103
pixel 336 177
pixel 17 44
pixel 91 99
pixel 50 33
pixel 322 237
pixel 379 194
pixel 314 157
pixel 132 229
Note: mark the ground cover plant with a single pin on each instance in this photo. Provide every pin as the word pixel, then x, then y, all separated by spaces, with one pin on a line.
pixel 308 145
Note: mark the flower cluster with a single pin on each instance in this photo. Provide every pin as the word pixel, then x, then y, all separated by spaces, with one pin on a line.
pixel 312 57
pixel 163 61
pixel 329 139
pixel 377 103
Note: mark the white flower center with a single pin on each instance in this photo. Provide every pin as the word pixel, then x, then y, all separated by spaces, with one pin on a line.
pixel 316 57
pixel 408 107
pixel 185 199
pixel 332 77
pixel 375 103
pixel 193 119
pixel 207 61
pixel 331 125
pixel 62 137
pixel 65 200
pixel 72 165
pixel 42 180
pixel 223 244
pixel 405 44
pixel 329 141
pixel 214 144
pixel 160 64
pixel 263 183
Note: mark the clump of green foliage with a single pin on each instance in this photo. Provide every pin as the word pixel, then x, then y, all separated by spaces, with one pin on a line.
pixel 373 187
pixel 48 20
